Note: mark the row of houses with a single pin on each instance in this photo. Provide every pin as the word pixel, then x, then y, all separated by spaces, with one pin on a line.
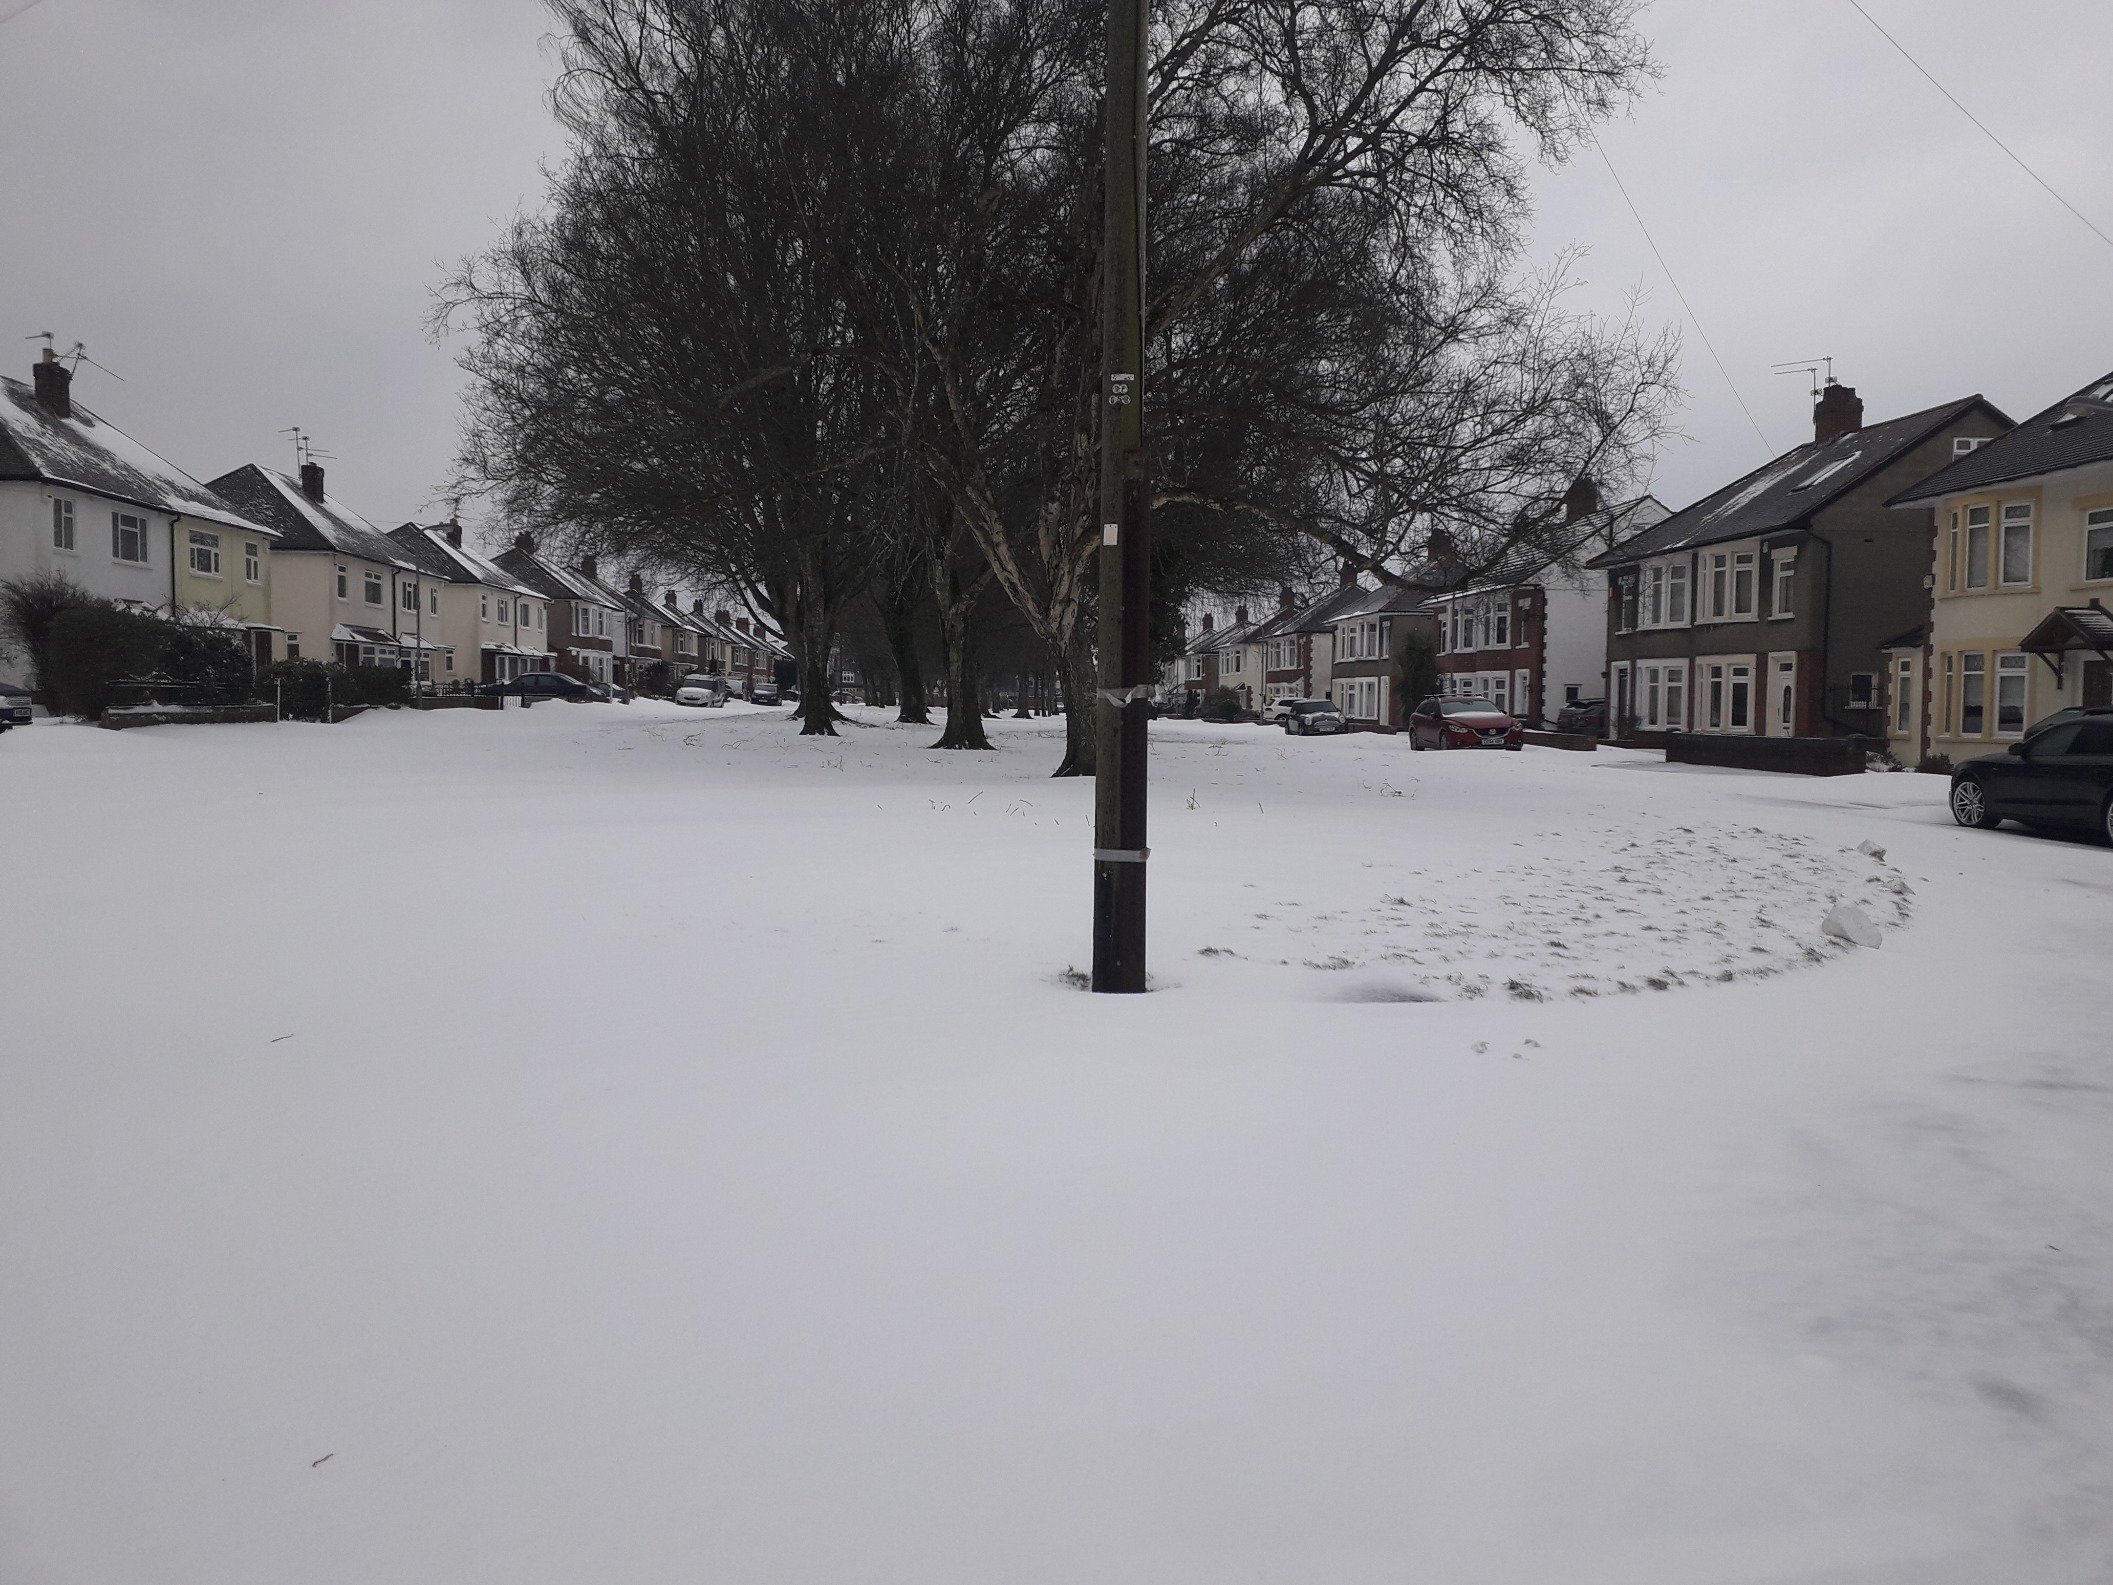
pixel 297 574
pixel 1934 583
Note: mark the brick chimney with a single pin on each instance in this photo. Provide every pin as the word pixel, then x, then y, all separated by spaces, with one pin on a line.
pixel 720 617
pixel 1580 500
pixel 525 543
pixel 637 584
pixel 1239 616
pixel 312 481
pixel 587 567
pixel 668 599
pixel 696 606
pixel 54 385
pixel 1838 412
pixel 742 624
pixel 1345 576
pixel 1206 621
pixel 1285 602
pixel 454 533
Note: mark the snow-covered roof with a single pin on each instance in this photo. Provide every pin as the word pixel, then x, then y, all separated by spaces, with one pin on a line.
pixel 457 563
pixel 89 453
pixel 272 497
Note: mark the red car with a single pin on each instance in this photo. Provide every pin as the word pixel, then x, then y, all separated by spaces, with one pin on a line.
pixel 1463 723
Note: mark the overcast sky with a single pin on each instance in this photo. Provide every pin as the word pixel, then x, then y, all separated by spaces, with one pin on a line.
pixel 241 206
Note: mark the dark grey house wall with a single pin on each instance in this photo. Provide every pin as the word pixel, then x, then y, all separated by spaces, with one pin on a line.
pixel 1874 591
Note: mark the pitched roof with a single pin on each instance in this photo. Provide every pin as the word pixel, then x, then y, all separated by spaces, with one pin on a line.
pixel 442 558
pixel 1788 491
pixel 2073 433
pixel 1310 617
pixel 553 582
pixel 272 498
pixel 1382 601
pixel 91 454
pixel 2069 627
pixel 1573 544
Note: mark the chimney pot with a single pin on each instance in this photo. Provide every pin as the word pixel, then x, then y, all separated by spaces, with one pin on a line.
pixel 697 606
pixel 525 543
pixel 1284 599
pixel 1240 615
pixel 588 566
pixel 455 535
pixel 637 584
pixel 1206 621
pixel 54 385
pixel 1838 412
pixel 312 481
pixel 720 617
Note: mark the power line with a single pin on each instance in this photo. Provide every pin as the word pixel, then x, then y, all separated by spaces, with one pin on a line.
pixel 1693 318
pixel 1976 120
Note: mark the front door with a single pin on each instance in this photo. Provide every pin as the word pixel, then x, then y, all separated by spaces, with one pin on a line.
pixel 1782 701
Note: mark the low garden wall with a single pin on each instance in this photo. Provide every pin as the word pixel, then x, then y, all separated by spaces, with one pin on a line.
pixel 1577 741
pixel 1799 756
pixel 118 717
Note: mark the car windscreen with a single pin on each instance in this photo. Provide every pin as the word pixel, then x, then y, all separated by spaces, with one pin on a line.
pixel 1315 707
pixel 1469 707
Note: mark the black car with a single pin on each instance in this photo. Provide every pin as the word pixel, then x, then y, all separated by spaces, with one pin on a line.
pixel 533 685
pixel 1587 717
pixel 14 706
pixel 1307 717
pixel 2060 774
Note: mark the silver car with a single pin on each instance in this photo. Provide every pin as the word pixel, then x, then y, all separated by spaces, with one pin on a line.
pixel 1312 717
pixel 705 692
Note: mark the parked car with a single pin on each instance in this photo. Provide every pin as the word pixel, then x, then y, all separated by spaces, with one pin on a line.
pixel 764 693
pixel 1311 717
pixel 2061 774
pixel 533 685
pixel 14 706
pixel 705 692
pixel 1274 712
pixel 1587 717
pixel 1463 723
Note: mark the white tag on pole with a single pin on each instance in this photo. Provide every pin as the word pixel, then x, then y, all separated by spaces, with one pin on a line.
pixel 1109 533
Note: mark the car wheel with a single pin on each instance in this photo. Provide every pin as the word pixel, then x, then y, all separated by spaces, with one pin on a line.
pixel 1970 805
pixel 2105 818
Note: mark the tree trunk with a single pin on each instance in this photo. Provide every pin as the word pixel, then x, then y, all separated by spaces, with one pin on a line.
pixel 815 634
pixel 964 693
pixel 900 618
pixel 1075 683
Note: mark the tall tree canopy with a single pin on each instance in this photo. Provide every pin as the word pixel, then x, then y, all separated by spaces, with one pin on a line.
pixel 806 256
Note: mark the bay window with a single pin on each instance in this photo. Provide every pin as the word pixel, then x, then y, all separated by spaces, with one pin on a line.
pixel 1973 693
pixel 2012 676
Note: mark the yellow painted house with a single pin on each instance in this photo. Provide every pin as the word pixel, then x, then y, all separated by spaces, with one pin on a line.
pixel 2023 576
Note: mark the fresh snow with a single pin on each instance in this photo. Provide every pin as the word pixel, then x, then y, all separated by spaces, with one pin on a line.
pixel 633 1144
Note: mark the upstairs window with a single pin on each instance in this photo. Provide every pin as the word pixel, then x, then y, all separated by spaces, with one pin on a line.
pixel 1745 583
pixel 1719 596
pixel 374 588
pixel 252 562
pixel 433 599
pixel 1625 604
pixel 342 592
pixel 2098 544
pixel 128 538
pixel 503 610
pixel 1977 547
pixel 2017 543
pixel 484 608
pixel 1676 594
pixel 1783 600
pixel 205 553
pixel 409 595
pixel 1962 444
pixel 62 526
pixel 1500 621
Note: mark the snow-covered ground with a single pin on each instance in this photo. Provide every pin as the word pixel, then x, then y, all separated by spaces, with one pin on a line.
pixel 642 1146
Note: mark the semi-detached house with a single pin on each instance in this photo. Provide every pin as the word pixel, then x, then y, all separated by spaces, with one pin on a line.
pixel 341 589
pixel 1766 607
pixel 83 501
pixel 586 620
pixel 2022 574
pixel 493 627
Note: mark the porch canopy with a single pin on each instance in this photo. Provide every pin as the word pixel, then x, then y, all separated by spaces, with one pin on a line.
pixel 2067 630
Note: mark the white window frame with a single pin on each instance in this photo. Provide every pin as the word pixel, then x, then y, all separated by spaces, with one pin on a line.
pixel 252 562
pixel 64 529
pixel 374 588
pixel 1962 444
pixel 2016 516
pixel 344 583
pixel 1676 593
pixel 122 526
pixel 2099 522
pixel 1782 598
pixel 1747 562
pixel 1988 549
pixel 432 599
pixel 202 552
pixel 1659 701
pixel 504 618
pixel 1719 563
pixel 1973 668
pixel 1903 695
pixel 2012 667
pixel 407 596
pixel 1500 621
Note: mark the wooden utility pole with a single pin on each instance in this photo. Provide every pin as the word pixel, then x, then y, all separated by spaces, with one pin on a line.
pixel 1119 850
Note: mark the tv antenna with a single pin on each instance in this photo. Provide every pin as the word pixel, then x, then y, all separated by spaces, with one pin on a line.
pixel 78 352
pixel 1812 369
pixel 304 449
